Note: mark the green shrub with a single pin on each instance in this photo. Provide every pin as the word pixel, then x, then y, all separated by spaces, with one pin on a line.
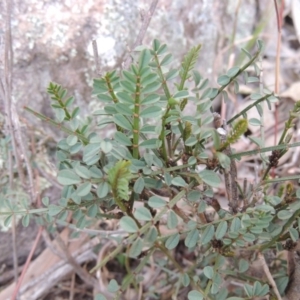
pixel 161 157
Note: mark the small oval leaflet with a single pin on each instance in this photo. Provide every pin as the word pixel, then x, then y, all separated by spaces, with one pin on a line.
pixel 143 214
pixel 84 189
pixel 122 121
pixel 82 171
pixel 194 196
pixel 156 202
pixel 243 265
pixel 121 138
pixel 254 122
pixel 93 210
pixel 150 143
pixel 185 279
pixel 210 178
pixel 72 140
pixel 25 220
pixel 294 234
pixel 172 241
pixel 113 286
pixel 151 235
pixel 178 181
pixel 221 230
pixel 233 71
pixel 128 224
pixel 192 238
pixel 235 225
pixel 172 220
pixel 151 112
pixel 139 185
pixel 195 295
pixel 136 248
pixel 208 272
pixel 102 189
pixel 100 297
pixel 223 79
pixel 106 146
pixel 68 177
pixel 181 94
pixel 53 210
pixel 45 201
pixel 207 234
pixel 152 87
pixel 150 99
pixel 284 214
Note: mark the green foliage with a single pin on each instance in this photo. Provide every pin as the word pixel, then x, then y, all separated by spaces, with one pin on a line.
pixel 158 148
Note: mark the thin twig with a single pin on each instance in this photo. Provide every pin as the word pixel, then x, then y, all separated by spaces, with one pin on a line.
pixel 279 16
pixel 83 274
pixel 96 56
pixel 146 21
pixel 17 288
pixel 5 92
pixel 268 274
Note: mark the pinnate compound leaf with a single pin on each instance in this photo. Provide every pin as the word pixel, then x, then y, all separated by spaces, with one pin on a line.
pixel 68 177
pixel 128 224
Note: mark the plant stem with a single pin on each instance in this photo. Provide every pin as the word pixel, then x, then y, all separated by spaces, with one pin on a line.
pixel 136 120
pixel 249 107
pixel 60 126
